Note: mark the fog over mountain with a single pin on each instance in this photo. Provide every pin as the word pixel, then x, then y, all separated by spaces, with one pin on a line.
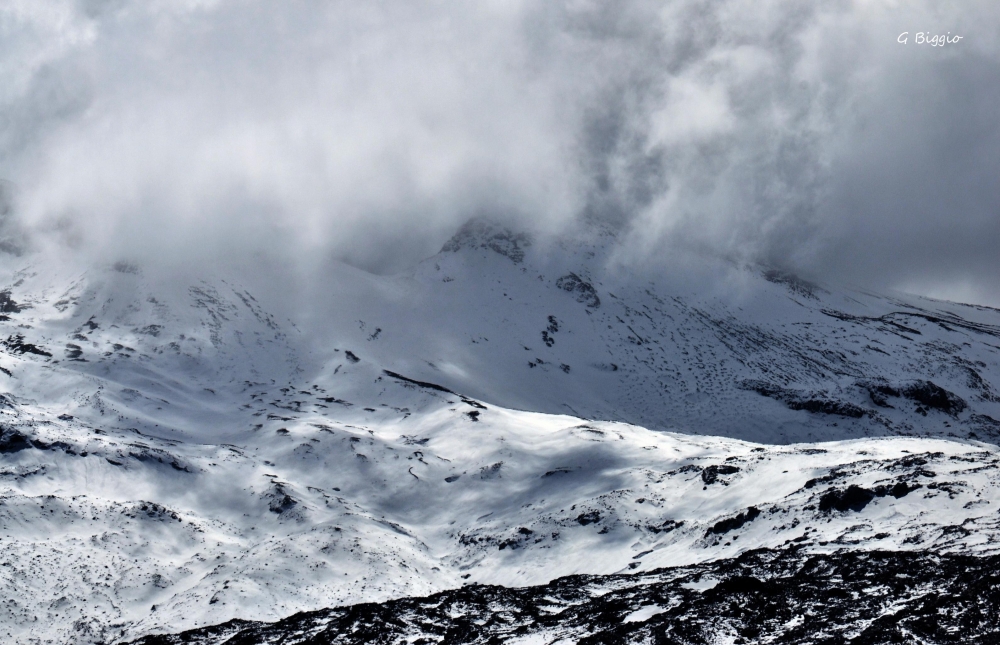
pixel 439 322
pixel 797 135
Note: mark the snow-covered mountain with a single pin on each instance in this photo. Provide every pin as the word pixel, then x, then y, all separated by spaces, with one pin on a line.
pixel 182 450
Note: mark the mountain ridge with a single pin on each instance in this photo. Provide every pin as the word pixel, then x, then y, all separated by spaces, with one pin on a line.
pixel 179 451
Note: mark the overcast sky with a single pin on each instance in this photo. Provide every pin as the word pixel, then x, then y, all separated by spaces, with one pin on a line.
pixel 799 134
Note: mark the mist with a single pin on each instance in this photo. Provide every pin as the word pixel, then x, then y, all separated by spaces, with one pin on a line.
pixel 800 136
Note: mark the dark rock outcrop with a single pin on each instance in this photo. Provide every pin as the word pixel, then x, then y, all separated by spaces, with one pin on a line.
pixel 809 401
pixel 583 290
pixel 783 596
pixel 483 234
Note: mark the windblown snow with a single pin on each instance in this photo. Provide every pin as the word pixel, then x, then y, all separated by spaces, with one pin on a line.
pixel 177 454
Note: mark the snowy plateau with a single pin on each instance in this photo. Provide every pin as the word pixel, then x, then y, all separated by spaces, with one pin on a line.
pixel 511 442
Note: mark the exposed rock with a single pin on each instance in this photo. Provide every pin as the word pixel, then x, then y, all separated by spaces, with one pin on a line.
pixel 809 401
pixel 710 474
pixel 483 234
pixel 7 304
pixel 934 396
pixel 584 291
pixel 856 498
pixel 733 523
pixel 124 266
pixel 794 283
pixel 767 596
pixel 16 344
pixel 926 393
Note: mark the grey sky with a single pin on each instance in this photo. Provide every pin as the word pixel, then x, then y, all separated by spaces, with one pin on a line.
pixel 798 134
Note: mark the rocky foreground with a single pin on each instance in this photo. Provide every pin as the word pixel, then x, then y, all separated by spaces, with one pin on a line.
pixel 763 596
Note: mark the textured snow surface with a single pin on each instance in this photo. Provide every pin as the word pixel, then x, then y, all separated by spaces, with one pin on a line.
pixel 182 451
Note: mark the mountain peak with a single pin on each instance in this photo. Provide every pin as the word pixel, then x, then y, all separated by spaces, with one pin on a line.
pixel 484 233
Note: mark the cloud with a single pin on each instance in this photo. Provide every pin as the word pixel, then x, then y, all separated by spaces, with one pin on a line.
pixel 795 134
pixel 325 126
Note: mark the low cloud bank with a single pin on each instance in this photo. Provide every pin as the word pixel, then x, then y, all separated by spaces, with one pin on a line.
pixel 804 136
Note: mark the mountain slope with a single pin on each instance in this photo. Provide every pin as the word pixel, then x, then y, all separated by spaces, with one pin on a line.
pixel 181 450
pixel 716 349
